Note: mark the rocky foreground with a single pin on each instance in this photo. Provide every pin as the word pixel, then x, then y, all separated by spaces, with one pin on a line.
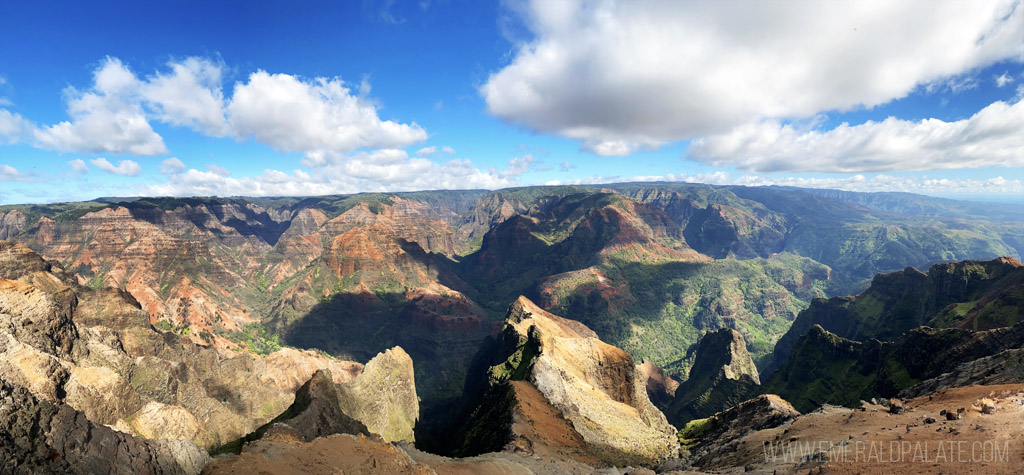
pixel 764 436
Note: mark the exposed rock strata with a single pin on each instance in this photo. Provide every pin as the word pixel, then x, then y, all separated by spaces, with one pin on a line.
pixel 39 436
pixel 95 351
pixel 587 387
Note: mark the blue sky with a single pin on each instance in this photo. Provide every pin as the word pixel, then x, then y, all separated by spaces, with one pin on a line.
pixel 270 98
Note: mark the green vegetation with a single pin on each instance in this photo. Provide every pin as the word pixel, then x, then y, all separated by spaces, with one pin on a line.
pixel 257 339
pixel 689 435
pixel 518 364
pixel 96 282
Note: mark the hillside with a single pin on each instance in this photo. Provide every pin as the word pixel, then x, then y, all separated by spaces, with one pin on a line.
pixel 977 295
pixel 650 267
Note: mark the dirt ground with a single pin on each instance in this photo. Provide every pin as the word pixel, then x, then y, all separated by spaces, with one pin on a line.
pixel 870 440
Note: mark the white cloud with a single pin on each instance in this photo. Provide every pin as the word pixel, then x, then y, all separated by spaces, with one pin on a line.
pixel 109 118
pixel 1003 79
pixel 565 166
pixel 13 127
pixel 9 173
pixel 921 184
pixel 619 76
pixel 992 137
pixel 113 116
pixel 190 96
pixel 218 170
pixel 434 150
pixel 380 170
pixel 317 116
pixel 283 111
pixel 79 166
pixel 124 167
pixel 519 165
pixel 171 166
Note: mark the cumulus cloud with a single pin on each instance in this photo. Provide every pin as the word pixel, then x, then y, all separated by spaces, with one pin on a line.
pixel 448 150
pixel 315 116
pixel 13 127
pixel 619 76
pixel 992 137
pixel 108 118
pixel 189 95
pixel 79 166
pixel 356 176
pixel 171 165
pixel 286 112
pixel 9 173
pixel 426 151
pixel 124 167
pixel 384 170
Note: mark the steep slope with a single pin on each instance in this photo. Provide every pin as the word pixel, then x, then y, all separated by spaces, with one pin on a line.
pixel 629 274
pixel 182 264
pixel 707 441
pixel 95 351
pixel 827 369
pixel 42 437
pixel 722 376
pixel 661 387
pixel 375 286
pixel 381 401
pixel 556 388
pixel 856 241
pixel 969 294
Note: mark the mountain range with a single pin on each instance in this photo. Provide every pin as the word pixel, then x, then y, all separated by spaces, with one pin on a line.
pixel 210 317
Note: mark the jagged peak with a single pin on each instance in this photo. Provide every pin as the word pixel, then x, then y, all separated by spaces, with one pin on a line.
pixel 725 349
pixel 523 314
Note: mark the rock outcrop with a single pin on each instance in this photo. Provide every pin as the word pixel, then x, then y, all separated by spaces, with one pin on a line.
pixel 96 352
pixel 556 385
pixel 722 376
pixel 866 439
pixel 708 440
pixel 39 436
pixel 380 401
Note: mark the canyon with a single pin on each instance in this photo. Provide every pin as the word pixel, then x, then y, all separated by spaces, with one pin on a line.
pixel 550 329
